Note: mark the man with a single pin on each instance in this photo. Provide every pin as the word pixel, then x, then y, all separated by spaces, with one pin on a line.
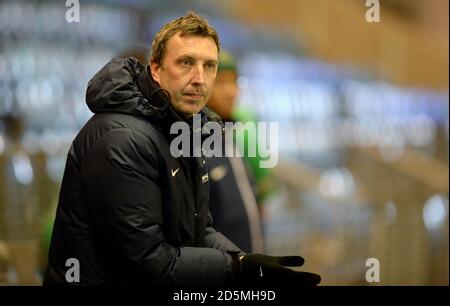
pixel 129 212
pixel 237 185
pixel 17 204
pixel 223 102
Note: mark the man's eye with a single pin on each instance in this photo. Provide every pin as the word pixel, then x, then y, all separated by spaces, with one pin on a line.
pixel 211 66
pixel 186 62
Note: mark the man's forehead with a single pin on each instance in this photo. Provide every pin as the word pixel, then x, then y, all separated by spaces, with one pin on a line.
pixel 192 45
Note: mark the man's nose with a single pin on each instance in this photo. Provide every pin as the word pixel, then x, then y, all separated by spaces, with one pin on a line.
pixel 198 77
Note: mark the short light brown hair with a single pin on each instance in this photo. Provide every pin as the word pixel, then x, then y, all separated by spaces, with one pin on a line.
pixel 189 25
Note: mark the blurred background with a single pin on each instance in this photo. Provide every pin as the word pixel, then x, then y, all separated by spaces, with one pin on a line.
pixel 362 110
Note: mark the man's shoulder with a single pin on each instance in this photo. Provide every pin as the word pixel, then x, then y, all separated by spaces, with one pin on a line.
pixel 105 122
pixel 102 128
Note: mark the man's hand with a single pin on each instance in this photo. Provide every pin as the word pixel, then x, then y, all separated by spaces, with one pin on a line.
pixel 259 269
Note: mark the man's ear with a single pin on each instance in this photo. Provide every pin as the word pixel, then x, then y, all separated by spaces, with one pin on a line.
pixel 154 68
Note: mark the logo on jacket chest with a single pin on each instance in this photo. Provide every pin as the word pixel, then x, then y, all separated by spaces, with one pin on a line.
pixel 174 171
pixel 205 178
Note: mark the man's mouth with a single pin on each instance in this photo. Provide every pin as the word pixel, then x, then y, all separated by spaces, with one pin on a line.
pixel 194 95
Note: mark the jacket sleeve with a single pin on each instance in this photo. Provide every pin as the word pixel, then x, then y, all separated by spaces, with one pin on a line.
pixel 218 241
pixel 120 175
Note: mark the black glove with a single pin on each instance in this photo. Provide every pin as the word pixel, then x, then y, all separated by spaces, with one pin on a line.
pixel 264 270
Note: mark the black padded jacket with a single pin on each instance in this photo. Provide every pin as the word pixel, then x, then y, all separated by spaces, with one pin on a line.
pixel 129 212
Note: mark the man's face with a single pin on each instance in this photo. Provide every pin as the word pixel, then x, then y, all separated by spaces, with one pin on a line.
pixel 224 94
pixel 187 72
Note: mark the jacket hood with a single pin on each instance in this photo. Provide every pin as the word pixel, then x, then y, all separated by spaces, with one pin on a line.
pixel 124 85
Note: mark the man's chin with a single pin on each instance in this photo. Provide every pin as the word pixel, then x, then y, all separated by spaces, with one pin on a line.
pixel 187 113
pixel 188 110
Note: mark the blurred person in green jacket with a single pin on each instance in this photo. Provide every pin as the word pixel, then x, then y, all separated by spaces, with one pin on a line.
pixel 238 186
